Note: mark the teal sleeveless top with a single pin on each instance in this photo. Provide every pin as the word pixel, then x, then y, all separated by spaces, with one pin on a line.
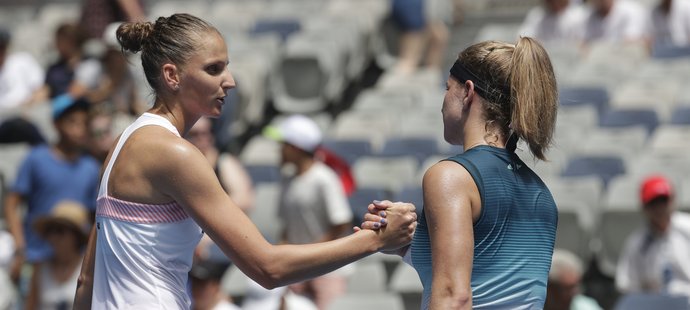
pixel 513 237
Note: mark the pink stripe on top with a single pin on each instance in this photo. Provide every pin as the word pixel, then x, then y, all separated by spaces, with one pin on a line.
pixel 133 212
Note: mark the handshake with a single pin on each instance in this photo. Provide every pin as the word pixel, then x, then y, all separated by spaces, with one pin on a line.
pixel 394 222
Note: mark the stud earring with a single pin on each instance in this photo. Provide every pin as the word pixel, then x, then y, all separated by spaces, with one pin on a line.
pixel 176 87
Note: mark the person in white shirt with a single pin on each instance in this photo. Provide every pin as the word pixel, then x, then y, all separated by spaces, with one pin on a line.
pixel 616 21
pixel 656 257
pixel 670 23
pixel 554 21
pixel 21 77
pixel 313 204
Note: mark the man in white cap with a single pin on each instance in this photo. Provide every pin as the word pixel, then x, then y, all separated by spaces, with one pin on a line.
pixel 313 204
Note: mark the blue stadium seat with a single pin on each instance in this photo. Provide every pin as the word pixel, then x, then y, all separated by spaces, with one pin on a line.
pixel 411 194
pixel 283 27
pixel 575 96
pixel 652 301
pixel 603 166
pixel 263 173
pixel 666 52
pixel 630 117
pixel 360 200
pixel 350 150
pixel 421 148
pixel 680 116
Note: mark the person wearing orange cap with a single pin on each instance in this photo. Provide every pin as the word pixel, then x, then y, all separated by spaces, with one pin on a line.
pixel 656 257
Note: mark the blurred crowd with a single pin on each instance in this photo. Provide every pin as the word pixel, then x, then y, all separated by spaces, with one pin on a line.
pixel 665 23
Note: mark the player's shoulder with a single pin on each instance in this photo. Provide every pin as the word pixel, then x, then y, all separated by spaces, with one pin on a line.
pixel 162 147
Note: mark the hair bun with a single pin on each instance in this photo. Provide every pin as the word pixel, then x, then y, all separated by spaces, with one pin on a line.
pixel 133 35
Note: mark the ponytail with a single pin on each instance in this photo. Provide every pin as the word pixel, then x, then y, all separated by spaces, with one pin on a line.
pixel 534 96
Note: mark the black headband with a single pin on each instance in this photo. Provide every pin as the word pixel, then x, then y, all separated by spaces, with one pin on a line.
pixel 459 72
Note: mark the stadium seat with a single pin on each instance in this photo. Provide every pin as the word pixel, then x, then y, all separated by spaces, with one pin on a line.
pixel 310 75
pixel 420 148
pixel 368 277
pixel 391 173
pixel 360 200
pixel 12 157
pixel 412 194
pixel 261 151
pixel 624 142
pixel 621 215
pixel 642 301
pixel 630 117
pixel 348 149
pixel 234 282
pixel 358 125
pixel 603 166
pixel 376 100
pixel 263 173
pixel 670 139
pixel 406 283
pixel 265 213
pixel 670 52
pixel 680 116
pixel 582 95
pixel 283 27
pixel 673 165
pixel 572 233
pixel 584 192
pixel 388 301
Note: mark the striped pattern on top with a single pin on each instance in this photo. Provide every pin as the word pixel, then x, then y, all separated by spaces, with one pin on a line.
pixel 513 237
pixel 133 212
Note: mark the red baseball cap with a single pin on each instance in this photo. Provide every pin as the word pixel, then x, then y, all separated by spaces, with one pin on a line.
pixel 654 187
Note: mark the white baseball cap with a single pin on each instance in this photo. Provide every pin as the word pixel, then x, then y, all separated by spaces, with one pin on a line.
pixel 297 130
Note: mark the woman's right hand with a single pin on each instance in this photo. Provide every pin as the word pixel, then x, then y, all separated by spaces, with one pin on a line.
pixel 397 229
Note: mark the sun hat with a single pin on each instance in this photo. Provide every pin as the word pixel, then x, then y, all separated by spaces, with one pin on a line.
pixel 66 213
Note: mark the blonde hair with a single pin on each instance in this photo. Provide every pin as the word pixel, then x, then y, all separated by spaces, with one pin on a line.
pixel 525 70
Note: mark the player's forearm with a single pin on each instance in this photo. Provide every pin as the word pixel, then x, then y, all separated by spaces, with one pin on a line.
pixel 292 263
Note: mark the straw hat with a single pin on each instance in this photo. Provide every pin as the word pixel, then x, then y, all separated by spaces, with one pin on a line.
pixel 66 213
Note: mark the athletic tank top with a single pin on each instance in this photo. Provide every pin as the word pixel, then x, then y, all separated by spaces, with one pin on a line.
pixel 513 237
pixel 143 251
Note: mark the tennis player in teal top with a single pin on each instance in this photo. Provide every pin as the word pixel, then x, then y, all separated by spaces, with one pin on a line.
pixel 486 234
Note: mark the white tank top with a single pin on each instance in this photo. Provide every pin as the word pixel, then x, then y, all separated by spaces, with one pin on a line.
pixel 143 251
pixel 57 295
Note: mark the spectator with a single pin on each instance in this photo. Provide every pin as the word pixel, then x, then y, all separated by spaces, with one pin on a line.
pixel 312 202
pixel 554 21
pixel 205 276
pixel 54 281
pixel 21 77
pixel 116 88
pixel 96 15
pixel 670 23
pixel 423 28
pixel 49 174
pixel 656 257
pixel 73 75
pixel 563 289
pixel 616 21
pixel 101 136
pixel 231 174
